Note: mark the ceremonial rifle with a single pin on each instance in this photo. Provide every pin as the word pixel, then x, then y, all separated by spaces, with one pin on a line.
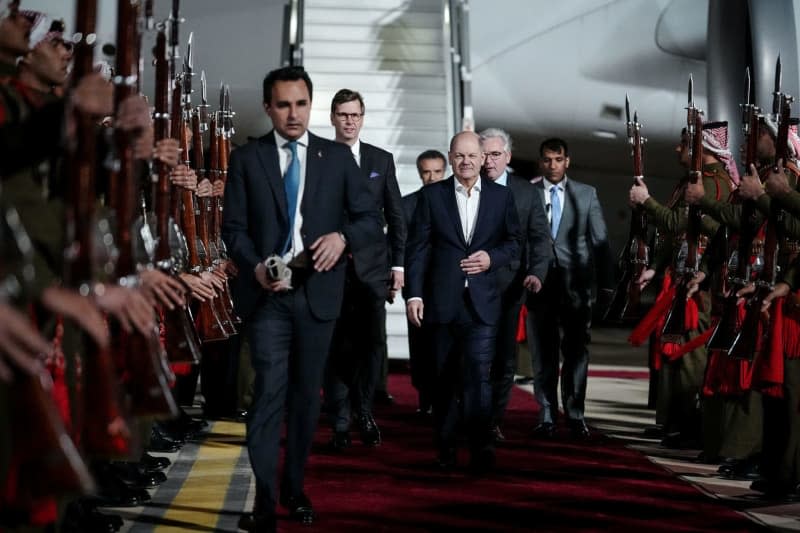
pixel 729 325
pixel 754 333
pixel 675 329
pixel 634 259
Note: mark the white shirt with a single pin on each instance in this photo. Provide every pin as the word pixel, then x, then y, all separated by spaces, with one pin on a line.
pixel 356 149
pixel 284 158
pixel 502 179
pixel 547 186
pixel 468 203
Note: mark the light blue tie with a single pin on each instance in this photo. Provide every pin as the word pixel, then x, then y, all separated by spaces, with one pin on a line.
pixel 555 211
pixel 291 184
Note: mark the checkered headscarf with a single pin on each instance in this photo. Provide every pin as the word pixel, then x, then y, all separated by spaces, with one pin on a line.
pixel 794 140
pixel 43 28
pixel 715 140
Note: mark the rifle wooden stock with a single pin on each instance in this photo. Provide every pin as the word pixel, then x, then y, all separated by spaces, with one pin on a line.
pixel 48 461
pixel 675 325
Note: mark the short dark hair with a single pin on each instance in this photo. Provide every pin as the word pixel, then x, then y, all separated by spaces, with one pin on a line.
pixel 554 144
pixel 343 96
pixel 286 74
pixel 431 154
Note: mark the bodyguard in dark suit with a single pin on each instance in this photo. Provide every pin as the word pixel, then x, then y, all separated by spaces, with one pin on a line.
pixel 580 247
pixel 293 195
pixel 465 228
pixel 431 165
pixel 359 346
pixel 522 275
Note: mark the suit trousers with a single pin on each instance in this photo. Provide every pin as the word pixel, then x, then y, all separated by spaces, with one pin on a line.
pixel 422 362
pixel 289 347
pixel 504 365
pixel 464 351
pixel 356 361
pixel 552 312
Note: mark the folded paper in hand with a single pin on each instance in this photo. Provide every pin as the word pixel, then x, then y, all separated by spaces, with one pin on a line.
pixel 278 270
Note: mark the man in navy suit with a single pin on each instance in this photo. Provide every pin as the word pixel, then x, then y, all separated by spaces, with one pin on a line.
pixel 359 345
pixel 465 228
pixel 293 197
pixel 431 165
pixel 581 259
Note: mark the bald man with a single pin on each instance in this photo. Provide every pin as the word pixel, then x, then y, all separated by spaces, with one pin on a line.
pixel 465 229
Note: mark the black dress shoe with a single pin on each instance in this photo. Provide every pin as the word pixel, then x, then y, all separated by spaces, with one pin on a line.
pixel 727 467
pixel 497 435
pixel 578 429
pixel 545 430
pixel 370 434
pixel 113 492
pixel 299 508
pixel 258 523
pixel 446 459
pixel 382 397
pixel 526 380
pixel 240 415
pixel 654 432
pixel 136 477
pixel 706 459
pixel 340 441
pixel 154 464
pixel 160 443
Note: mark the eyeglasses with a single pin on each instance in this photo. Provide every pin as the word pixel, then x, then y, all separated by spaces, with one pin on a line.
pixel 355 117
pixel 494 155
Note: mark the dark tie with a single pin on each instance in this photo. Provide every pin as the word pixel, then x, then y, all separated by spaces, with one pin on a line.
pixel 555 211
pixel 291 184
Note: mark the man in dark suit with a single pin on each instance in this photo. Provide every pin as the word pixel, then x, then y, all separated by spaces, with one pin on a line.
pixel 580 246
pixel 520 276
pixel 294 197
pixel 465 228
pixel 431 165
pixel 359 346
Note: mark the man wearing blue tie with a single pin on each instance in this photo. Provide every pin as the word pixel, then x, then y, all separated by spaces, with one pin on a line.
pixel 564 305
pixel 294 203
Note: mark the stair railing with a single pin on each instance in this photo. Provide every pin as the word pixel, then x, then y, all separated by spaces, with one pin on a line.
pixel 292 46
pixel 459 72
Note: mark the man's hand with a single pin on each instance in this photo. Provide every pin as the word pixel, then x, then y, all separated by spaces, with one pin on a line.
pixel 476 263
pixel 779 291
pixel 750 187
pixel 94 95
pixel 745 291
pixel 201 290
pixel 204 188
pixel 694 192
pixel 21 346
pixel 218 188
pixel 414 312
pixel 694 284
pixel 78 309
pixel 133 115
pixel 639 192
pixel 160 288
pixel 776 182
pixel 327 251
pixel 216 282
pixel 645 278
pixel 183 176
pixel 167 151
pixel 129 307
pixel 398 280
pixel 532 283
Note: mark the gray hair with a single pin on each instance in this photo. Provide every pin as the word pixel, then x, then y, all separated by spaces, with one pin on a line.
pixel 497 133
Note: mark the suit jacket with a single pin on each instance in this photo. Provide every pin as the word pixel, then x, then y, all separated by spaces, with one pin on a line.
pixel 437 245
pixel 581 247
pixel 535 243
pixel 256 222
pixel 372 263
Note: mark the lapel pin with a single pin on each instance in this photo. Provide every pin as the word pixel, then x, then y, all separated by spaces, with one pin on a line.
pixel 319 154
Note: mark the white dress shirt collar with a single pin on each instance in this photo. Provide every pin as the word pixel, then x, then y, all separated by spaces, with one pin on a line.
pixel 502 179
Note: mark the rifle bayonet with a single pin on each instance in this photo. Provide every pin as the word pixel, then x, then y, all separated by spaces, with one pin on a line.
pixel 776 94
pixel 202 109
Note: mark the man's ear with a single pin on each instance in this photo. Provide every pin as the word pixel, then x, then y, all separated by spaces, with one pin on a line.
pixel 566 162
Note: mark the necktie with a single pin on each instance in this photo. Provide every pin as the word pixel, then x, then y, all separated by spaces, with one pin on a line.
pixel 291 185
pixel 555 211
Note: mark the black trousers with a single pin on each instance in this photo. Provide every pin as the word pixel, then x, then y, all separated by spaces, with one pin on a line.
pixel 504 365
pixel 357 354
pixel 289 348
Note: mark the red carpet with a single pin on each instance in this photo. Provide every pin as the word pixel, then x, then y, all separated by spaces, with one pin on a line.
pixel 538 486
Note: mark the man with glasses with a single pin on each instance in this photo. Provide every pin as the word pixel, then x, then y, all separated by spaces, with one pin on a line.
pixel 522 275
pixel 358 352
pixel 465 228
